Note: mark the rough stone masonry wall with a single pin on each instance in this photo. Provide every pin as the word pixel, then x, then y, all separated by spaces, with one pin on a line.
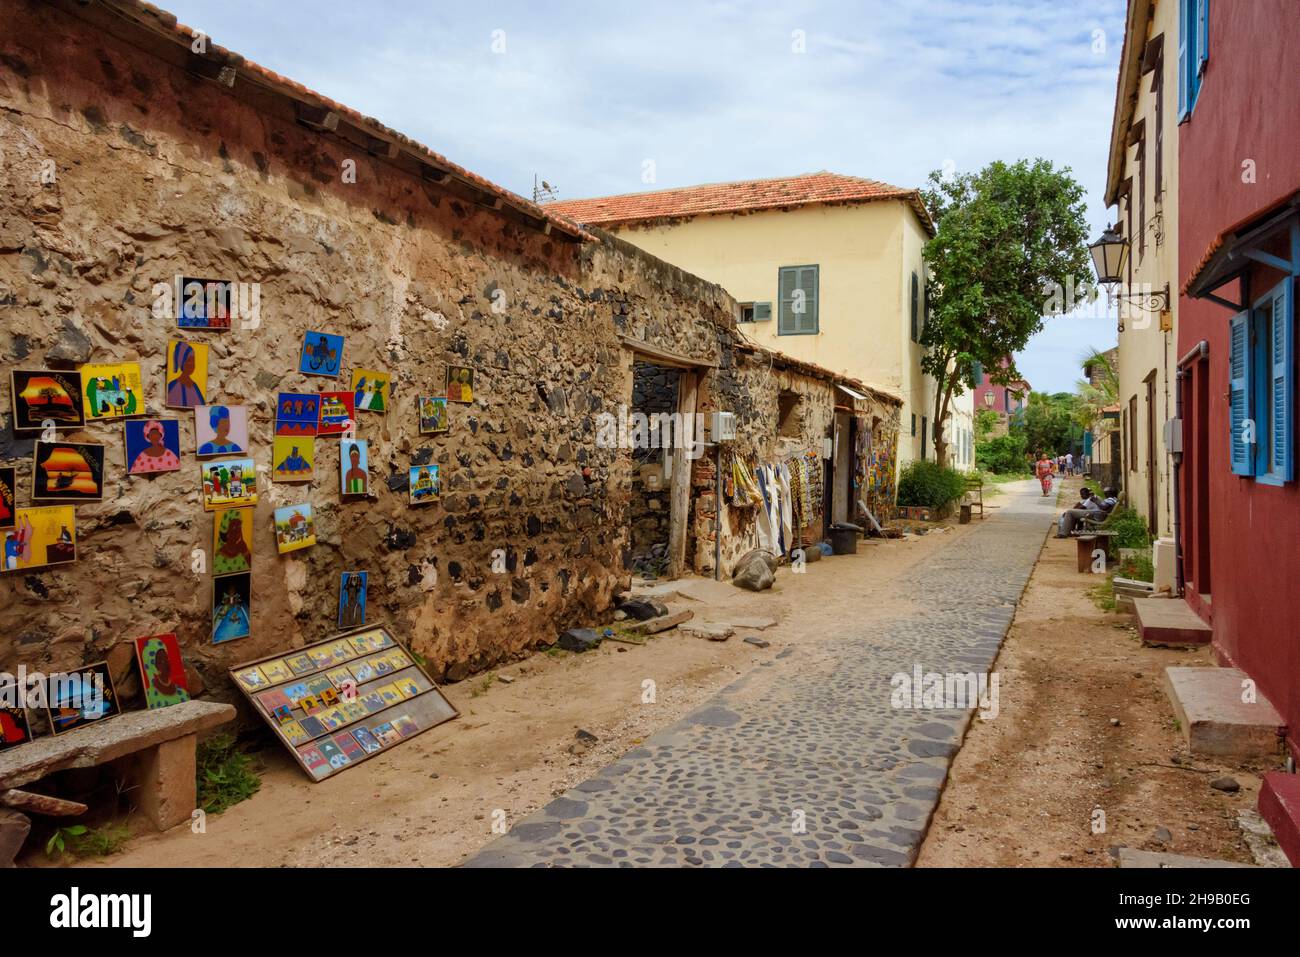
pixel 160 173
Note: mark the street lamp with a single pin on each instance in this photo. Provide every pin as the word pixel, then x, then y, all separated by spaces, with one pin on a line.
pixel 1109 254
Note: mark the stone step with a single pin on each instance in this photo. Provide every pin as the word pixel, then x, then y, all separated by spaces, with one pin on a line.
pixel 1279 805
pixel 1169 621
pixel 1215 720
pixel 1132 857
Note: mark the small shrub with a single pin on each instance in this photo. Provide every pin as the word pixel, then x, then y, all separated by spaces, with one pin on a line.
pixel 930 485
pixel 1004 455
pixel 1131 528
pixel 225 774
pixel 1138 568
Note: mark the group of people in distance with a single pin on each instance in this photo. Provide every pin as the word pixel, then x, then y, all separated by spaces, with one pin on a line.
pixel 1088 506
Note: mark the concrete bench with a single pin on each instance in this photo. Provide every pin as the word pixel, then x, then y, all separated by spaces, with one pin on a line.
pixel 155 748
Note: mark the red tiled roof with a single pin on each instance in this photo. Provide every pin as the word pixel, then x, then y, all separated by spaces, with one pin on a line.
pixel 161 21
pixel 744 196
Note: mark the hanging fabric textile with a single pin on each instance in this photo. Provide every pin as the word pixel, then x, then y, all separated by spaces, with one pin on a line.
pixel 745 493
pixel 787 523
pixel 767 529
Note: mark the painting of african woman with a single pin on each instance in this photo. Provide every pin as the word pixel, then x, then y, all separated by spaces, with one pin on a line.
pixel 162 673
pixel 232 541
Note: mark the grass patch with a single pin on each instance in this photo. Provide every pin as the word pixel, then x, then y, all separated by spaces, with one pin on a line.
pixel 555 651
pixel 86 841
pixel 1103 594
pixel 225 774
pixel 482 686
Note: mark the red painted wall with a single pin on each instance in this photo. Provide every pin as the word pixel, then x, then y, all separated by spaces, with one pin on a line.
pixel 1247 110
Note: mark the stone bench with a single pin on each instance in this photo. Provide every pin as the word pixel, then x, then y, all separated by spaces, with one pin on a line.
pixel 156 749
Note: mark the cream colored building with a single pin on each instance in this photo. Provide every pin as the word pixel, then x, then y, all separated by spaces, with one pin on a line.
pixel 1142 184
pixel 827 269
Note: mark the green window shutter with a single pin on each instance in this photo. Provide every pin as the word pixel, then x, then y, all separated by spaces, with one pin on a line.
pixel 1240 455
pixel 916 308
pixel 787 282
pixel 797 310
pixel 762 312
pixel 1282 381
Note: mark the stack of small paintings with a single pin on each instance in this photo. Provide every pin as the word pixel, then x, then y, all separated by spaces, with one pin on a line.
pixel 80 698
pixel 295 527
pixel 68 472
pixel 342 700
pixel 39 537
pixel 424 484
pixel 162 672
pixel 152 445
pixel 41 395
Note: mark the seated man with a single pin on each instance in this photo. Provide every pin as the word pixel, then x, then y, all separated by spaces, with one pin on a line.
pixel 1111 499
pixel 1087 506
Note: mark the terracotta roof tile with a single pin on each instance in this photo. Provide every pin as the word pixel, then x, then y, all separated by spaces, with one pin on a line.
pixel 744 196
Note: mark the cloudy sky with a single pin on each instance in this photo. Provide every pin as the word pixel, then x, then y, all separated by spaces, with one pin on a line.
pixel 584 94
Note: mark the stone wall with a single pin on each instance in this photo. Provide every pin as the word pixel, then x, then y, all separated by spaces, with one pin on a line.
pixel 158 172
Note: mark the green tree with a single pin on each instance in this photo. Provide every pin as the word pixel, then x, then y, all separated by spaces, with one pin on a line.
pixel 1051 422
pixel 1100 389
pixel 1007 237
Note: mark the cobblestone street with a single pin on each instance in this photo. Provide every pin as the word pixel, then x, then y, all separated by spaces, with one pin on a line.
pixel 809 737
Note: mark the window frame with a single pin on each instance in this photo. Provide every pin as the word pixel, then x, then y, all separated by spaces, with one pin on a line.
pixel 790 327
pixel 1269 334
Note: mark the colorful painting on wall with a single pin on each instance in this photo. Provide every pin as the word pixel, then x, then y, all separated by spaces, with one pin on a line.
pixel 40 394
pixel 232 541
pixel 232 482
pixel 162 672
pixel 112 390
pixel 221 430
pixel 329 730
pixel 297 413
pixel 81 697
pixel 15 729
pixel 424 484
pixel 8 497
pixel 152 445
pixel 322 354
pixel 203 304
pixel 187 374
pixel 433 414
pixel 292 458
pixel 232 607
pixel 354 467
pixel 295 527
pixel 67 472
pixel 352 599
pixel 371 390
pixel 460 384
pixel 41 536
pixel 336 413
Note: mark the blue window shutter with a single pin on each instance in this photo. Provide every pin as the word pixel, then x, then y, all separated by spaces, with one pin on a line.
pixel 1240 455
pixel 1183 32
pixel 1202 37
pixel 1282 381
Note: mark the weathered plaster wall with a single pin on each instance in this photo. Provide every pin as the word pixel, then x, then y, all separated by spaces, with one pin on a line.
pixel 159 173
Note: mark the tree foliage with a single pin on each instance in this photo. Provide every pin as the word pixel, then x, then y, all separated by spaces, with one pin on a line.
pixel 1007 236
